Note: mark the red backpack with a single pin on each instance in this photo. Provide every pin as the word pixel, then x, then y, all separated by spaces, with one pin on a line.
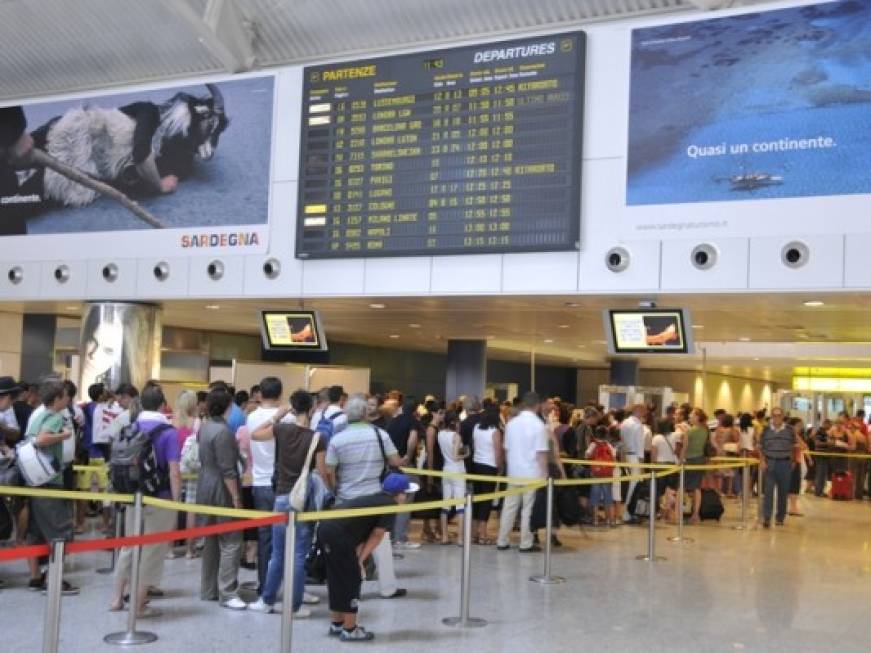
pixel 603 454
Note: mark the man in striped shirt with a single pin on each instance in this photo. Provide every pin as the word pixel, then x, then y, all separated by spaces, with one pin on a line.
pixel 778 440
pixel 354 465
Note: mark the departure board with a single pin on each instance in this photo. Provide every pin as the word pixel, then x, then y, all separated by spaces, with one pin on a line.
pixel 465 150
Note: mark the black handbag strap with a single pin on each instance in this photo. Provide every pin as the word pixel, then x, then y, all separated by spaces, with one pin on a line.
pixel 383 452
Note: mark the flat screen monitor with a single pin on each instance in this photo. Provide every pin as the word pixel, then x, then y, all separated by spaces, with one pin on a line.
pixel 292 331
pixel 648 331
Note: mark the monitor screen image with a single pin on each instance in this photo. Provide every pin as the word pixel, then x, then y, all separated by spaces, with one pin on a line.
pixel 647 331
pixel 292 330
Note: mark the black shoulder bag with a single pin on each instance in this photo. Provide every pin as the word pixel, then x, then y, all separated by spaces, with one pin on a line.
pixel 388 468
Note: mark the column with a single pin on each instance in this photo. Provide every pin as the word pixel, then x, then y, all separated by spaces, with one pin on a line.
pixel 623 372
pixel 37 346
pixel 466 368
pixel 120 344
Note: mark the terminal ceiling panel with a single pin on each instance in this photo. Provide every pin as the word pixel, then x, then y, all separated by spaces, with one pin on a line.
pixel 54 47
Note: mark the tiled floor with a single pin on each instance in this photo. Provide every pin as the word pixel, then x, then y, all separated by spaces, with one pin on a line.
pixel 803 587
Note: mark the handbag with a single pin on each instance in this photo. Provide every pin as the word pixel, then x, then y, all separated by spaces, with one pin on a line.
pixel 300 489
pixel 36 466
pixel 388 468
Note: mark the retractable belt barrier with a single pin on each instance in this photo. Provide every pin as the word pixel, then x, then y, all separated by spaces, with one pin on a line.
pixel 835 454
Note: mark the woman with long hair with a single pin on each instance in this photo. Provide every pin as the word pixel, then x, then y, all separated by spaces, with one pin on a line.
pixel 187 423
pixel 488 459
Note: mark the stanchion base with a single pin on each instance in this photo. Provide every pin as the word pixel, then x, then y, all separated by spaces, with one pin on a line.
pixel 547 580
pixel 458 622
pixel 684 540
pixel 130 638
pixel 647 558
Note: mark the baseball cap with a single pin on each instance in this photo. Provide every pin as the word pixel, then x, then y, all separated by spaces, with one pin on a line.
pixel 8 385
pixel 395 483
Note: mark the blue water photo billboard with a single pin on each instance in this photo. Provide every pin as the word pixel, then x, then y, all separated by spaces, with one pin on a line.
pixel 754 106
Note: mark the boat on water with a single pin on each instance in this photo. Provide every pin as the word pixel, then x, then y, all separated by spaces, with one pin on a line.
pixel 750 181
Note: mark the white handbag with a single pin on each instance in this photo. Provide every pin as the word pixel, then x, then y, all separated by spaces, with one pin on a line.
pixel 300 488
pixel 36 466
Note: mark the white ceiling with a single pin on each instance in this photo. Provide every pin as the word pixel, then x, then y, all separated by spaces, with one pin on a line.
pixel 50 47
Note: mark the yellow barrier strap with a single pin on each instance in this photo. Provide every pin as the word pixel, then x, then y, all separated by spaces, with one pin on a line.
pixel 501 494
pixel 602 463
pixel 414 471
pixel 215 511
pixel 346 513
pixel 834 454
pixel 64 494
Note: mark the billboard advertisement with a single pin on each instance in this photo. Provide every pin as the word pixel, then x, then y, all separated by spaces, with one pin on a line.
pixel 762 108
pixel 174 170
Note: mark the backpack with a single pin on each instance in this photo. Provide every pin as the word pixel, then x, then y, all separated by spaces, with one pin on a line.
pixel 603 453
pixel 133 464
pixel 326 426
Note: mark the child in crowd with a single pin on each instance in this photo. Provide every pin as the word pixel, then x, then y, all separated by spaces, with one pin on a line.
pixel 600 450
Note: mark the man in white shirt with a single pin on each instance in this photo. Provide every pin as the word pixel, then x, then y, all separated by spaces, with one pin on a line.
pixel 526 450
pixel 632 436
pixel 124 395
pixel 263 467
pixel 329 406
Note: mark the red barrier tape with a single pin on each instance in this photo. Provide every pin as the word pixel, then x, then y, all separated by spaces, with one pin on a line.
pixel 23 552
pixel 85 546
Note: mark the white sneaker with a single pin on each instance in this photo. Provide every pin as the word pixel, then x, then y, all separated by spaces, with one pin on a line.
pixel 302 613
pixel 235 604
pixel 261 606
pixel 406 546
pixel 310 599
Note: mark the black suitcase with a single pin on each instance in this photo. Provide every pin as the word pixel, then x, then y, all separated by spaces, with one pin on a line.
pixel 712 506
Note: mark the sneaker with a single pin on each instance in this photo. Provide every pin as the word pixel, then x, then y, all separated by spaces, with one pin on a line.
pixel 398 594
pixel 261 606
pixel 335 630
pixel 359 634
pixel 533 549
pixel 66 589
pixel 310 599
pixel 406 546
pixel 766 524
pixel 779 523
pixel 36 584
pixel 302 613
pixel 235 604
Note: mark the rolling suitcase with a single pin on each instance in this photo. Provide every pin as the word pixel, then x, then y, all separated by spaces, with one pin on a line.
pixel 712 506
pixel 842 486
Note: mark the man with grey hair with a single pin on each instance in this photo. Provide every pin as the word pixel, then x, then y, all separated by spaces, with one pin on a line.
pixel 356 459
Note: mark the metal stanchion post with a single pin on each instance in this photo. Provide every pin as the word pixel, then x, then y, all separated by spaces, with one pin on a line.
pixel 651 524
pixel 131 635
pixel 546 578
pixel 680 500
pixel 464 620
pixel 119 530
pixel 760 483
pixel 51 632
pixel 745 491
pixel 289 579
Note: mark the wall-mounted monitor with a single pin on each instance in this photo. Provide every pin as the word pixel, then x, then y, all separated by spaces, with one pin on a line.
pixel 648 331
pixel 457 151
pixel 292 331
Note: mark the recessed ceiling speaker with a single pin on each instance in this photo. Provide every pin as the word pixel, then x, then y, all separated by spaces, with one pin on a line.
pixel 272 268
pixel 795 254
pixel 215 270
pixel 15 275
pixel 110 272
pixel 704 256
pixel 161 271
pixel 62 273
pixel 617 259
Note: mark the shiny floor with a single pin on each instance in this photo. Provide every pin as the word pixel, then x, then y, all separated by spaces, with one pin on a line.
pixel 803 587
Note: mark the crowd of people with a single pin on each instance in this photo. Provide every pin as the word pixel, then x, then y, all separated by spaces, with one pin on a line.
pixel 264 450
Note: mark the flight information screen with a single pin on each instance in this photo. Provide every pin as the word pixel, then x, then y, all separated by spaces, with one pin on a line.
pixel 467 150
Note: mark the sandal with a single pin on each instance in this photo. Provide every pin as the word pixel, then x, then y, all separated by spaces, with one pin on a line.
pixel 485 541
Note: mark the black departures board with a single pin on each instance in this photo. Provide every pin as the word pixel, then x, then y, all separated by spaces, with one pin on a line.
pixel 466 150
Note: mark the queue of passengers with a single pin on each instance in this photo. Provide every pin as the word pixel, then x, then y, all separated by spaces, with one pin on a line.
pixel 234 450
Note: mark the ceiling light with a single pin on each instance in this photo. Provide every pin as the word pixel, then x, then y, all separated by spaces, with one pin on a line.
pixel 71 308
pixel 756 359
pixel 600 342
pixel 413 326
pixel 395 336
pixel 582 346
pixel 573 305
pixel 743 339
pixel 212 307
pixel 698 326
pixel 548 340
pixel 377 306
pixel 813 303
pixel 562 326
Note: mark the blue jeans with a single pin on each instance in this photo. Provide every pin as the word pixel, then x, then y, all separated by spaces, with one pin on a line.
pixel 264 499
pixel 777 475
pixel 275 574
